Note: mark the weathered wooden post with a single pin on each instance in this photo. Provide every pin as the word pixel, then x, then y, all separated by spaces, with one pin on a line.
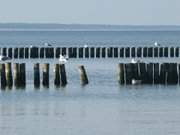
pixel 86 52
pixel 26 52
pixel 163 73
pixel 58 52
pixel 115 52
pixel 63 80
pixel 16 75
pixel 177 52
pixel 103 52
pixel 83 75
pixel 45 73
pixel 110 52
pixel 133 52
pixel 63 51
pixel 81 52
pixel 22 72
pixel 150 73
pixel 161 51
pixel 3 76
pixel 156 73
pixel 92 52
pixel 4 51
pixel 10 52
pixel 16 52
pixel 121 52
pixel 139 52
pixel 36 75
pixel 127 52
pixel 166 52
pixel 172 52
pixel 98 52
pixel 57 75
pixel 156 52
pixel 128 73
pixel 9 80
pixel 172 77
pixel 145 51
pixel 21 53
pixel 150 52
pixel 42 52
pixel 143 73
pixel 121 73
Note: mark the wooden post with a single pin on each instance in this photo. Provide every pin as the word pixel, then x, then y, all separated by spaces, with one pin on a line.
pixel 156 77
pixel 9 80
pixel 16 52
pixel 86 52
pixel 26 52
pixel 92 52
pixel 22 72
pixel 128 73
pixel 172 77
pixel 172 52
pixel 57 75
pixel 143 73
pixel 150 73
pixel 121 73
pixel 98 52
pixel 145 51
pixel 63 80
pixel 115 52
pixel 83 75
pixel 3 77
pixel 110 52
pixel 58 52
pixel 161 51
pixel 45 73
pixel 21 53
pixel 36 75
pixel 10 52
pixel 81 52
pixel 156 52
pixel 103 52
pixel 16 75
pixel 150 52
pixel 121 52
pixel 42 52
pixel 177 52
pixel 127 52
pixel 166 50
pixel 139 52
pixel 133 52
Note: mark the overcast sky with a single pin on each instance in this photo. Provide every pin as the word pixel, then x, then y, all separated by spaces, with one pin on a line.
pixel 123 12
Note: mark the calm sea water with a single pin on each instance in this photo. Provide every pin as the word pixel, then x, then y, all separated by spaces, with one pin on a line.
pixel 103 106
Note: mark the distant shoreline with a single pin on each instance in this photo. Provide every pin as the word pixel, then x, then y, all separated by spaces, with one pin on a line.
pixel 84 27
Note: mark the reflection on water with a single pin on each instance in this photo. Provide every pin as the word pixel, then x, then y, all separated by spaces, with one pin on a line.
pixel 102 107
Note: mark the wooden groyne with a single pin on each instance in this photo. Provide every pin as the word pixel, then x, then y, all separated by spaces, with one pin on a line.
pixel 90 52
pixel 149 73
pixel 14 74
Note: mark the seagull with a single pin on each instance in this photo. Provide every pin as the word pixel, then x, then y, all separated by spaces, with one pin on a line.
pixel 85 46
pixel 47 44
pixel 63 59
pixel 135 61
pixel 156 44
pixel 4 58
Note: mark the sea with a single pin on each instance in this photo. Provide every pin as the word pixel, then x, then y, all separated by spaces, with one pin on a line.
pixel 103 107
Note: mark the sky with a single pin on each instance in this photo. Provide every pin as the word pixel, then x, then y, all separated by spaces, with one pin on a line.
pixel 119 12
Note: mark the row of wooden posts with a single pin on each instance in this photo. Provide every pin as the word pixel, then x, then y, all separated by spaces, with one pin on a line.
pixel 18 75
pixel 149 73
pixel 90 52
pixel 144 73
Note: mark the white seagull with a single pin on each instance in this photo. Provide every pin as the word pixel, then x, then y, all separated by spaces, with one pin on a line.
pixel 135 61
pixel 156 44
pixel 4 58
pixel 63 59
